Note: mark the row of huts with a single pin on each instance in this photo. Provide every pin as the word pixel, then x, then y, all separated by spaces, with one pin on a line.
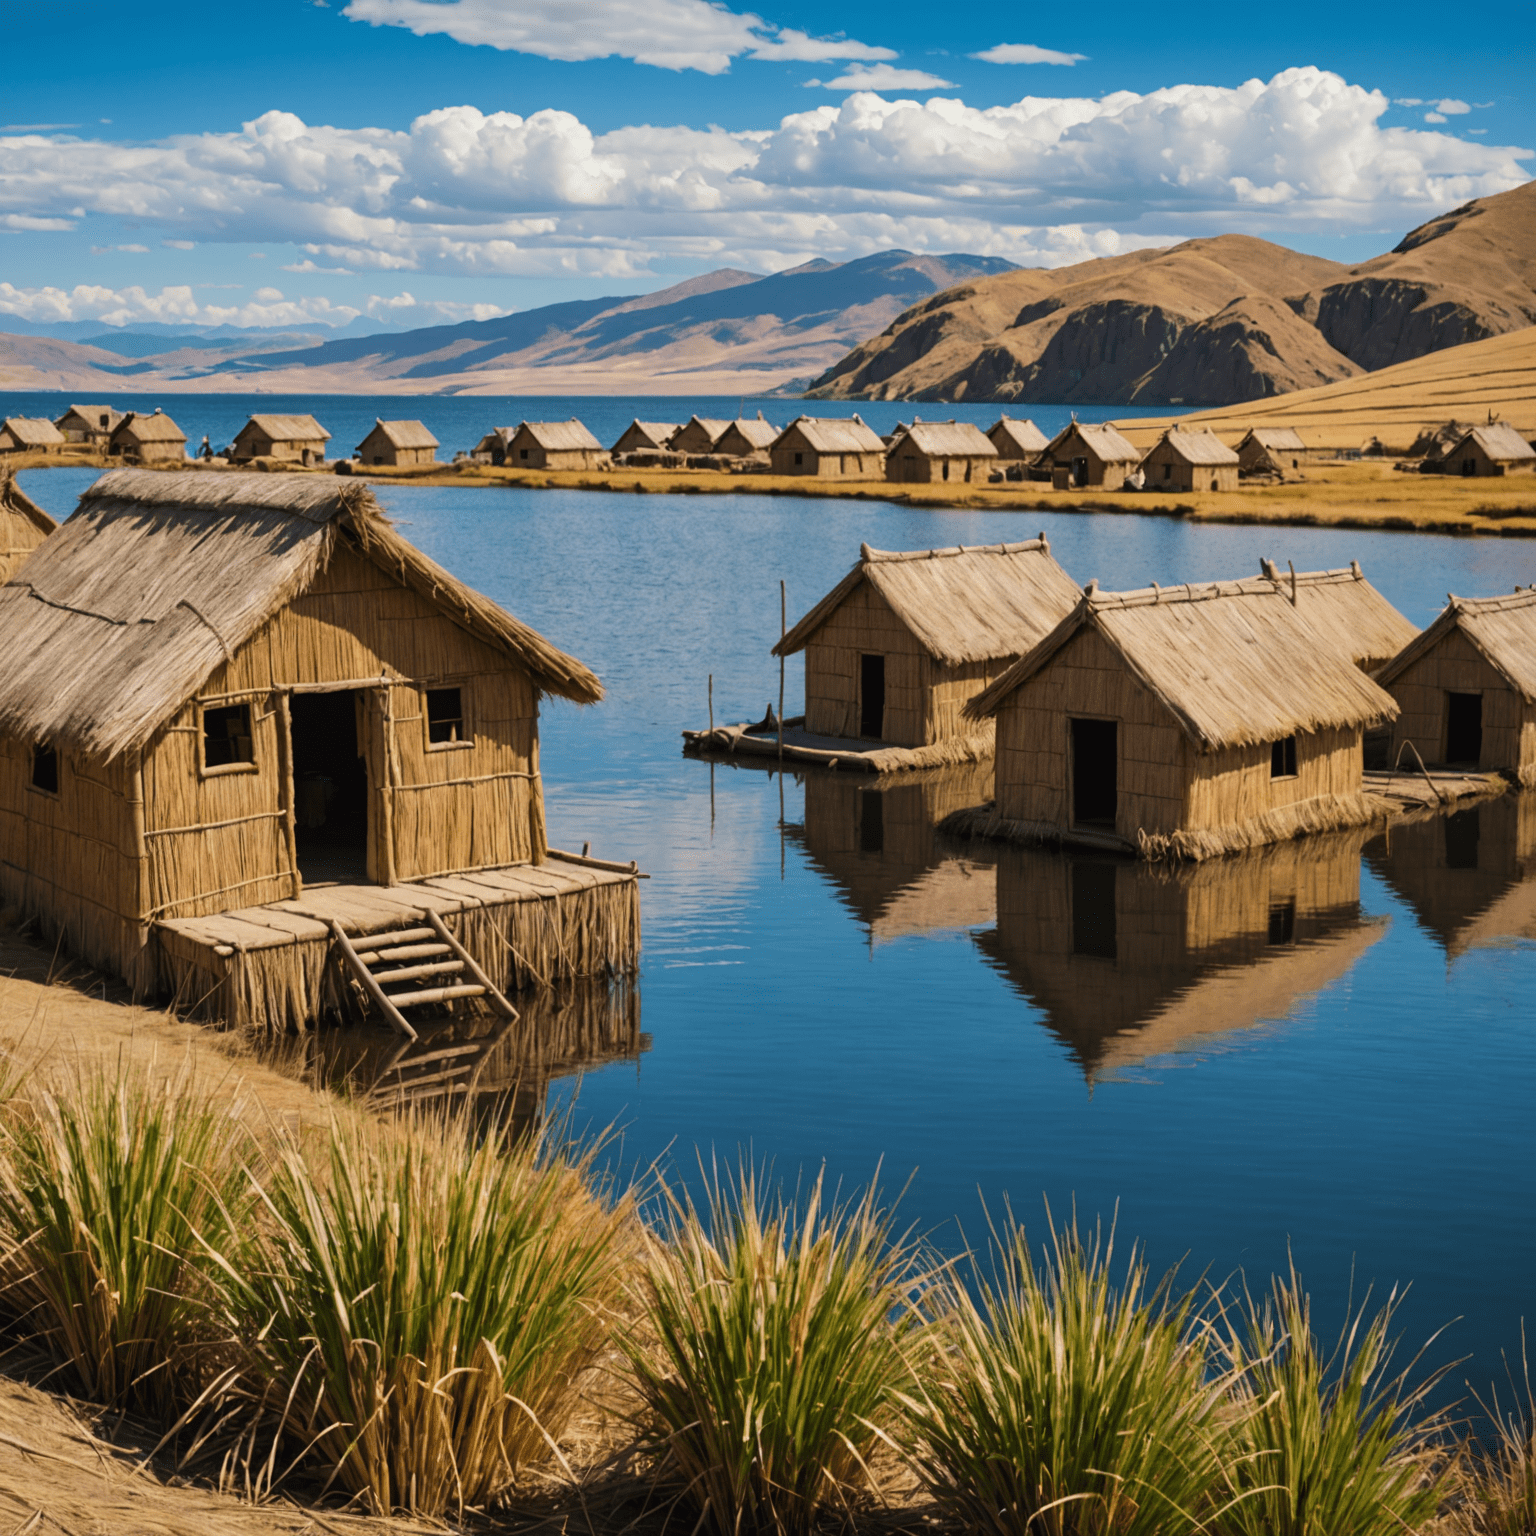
pixel 153 438
pixel 1180 721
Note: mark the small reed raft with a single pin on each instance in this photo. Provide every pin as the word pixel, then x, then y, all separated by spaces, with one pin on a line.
pixel 802 746
pixel 273 968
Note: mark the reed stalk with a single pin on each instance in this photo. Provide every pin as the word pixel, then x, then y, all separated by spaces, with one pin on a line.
pixel 1498 1479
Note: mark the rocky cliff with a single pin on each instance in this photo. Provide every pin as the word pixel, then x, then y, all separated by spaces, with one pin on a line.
pixel 1206 322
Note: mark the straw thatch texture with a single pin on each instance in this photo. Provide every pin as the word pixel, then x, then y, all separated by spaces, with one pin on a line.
pixel 1484 646
pixel 27 434
pixel 747 438
pixel 1017 439
pixel 645 436
pixel 698 435
pixel 148 439
pixel 832 448
pixel 1346 612
pixel 23 525
pixel 398 443
pixel 1190 461
pixel 939 450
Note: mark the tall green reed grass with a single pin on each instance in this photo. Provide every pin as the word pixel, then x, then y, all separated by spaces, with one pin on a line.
pixel 1068 1401
pixel 425 1305
pixel 109 1187
pixel 776 1339
pixel 1327 1443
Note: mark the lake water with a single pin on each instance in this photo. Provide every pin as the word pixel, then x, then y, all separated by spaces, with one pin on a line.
pixel 1332 1048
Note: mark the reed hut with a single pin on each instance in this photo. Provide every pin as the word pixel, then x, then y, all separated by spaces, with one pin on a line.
pixel 1180 722
pixel 1128 962
pixel 698 435
pixel 1496 449
pixel 245 716
pixel 398 443
pixel 1190 461
pixel 30 434
pixel 557 445
pixel 1272 449
pixel 645 437
pixel 897 647
pixel 93 424
pixel 23 525
pixel 290 439
pixel 930 451
pixel 1084 454
pixel 748 439
pixel 1468 877
pixel 1021 440
pixel 1466 687
pixel 877 841
pixel 148 439
pixel 1432 443
pixel 831 448
pixel 1345 611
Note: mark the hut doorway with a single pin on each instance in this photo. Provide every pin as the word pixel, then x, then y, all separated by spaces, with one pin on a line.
pixel 330 786
pixel 1463 727
pixel 872 698
pixel 1094 786
pixel 1080 471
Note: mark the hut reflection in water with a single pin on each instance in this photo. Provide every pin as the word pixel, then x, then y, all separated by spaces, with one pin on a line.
pixel 877 839
pixel 1469 877
pixel 1129 960
pixel 503 1074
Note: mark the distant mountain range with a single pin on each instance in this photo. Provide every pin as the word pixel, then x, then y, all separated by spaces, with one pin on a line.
pixel 1208 322
pixel 727 332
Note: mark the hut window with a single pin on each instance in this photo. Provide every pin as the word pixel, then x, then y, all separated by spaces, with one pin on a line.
pixel 1282 758
pixel 227 737
pixel 1463 727
pixel 445 717
pixel 799 460
pixel 522 453
pixel 45 769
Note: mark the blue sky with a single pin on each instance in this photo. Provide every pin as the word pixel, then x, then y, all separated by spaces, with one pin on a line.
pixel 411 161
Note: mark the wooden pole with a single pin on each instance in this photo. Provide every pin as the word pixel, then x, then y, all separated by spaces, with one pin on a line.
pixel 286 791
pixel 711 701
pixel 783 633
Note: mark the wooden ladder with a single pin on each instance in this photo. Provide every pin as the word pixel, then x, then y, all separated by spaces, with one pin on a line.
pixel 417 965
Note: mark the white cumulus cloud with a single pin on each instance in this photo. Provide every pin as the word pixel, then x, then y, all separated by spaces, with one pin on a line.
pixel 466 192
pixel 672 34
pixel 882 77
pixel 1027 53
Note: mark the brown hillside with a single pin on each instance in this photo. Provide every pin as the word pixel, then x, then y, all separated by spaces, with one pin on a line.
pixel 1208 321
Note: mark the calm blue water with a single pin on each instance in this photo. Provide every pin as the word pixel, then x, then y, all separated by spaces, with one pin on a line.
pixel 1375 1115
pixel 460 421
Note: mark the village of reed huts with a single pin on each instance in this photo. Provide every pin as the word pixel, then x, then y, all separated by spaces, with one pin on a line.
pixel 895 650
pixel 1187 721
pixel 242 717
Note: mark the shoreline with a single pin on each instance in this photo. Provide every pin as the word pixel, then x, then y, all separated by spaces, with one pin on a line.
pixel 1350 494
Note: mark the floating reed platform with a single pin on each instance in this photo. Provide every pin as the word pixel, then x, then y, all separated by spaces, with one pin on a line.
pixel 803 746
pixel 273 967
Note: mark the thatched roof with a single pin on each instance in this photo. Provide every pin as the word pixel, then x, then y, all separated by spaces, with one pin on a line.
pixel 961 605
pixel 1498 440
pixel 832 434
pixel 1202 447
pixel 152 427
pixel 404 434
pixel 1347 612
pixel 948 439
pixel 33 431
pixel 15 502
pixel 288 429
pixel 1502 628
pixel 120 616
pixel 657 433
pixel 1282 439
pixel 91 415
pixel 557 436
pixel 758 432
pixel 711 426
pixel 1105 443
pixel 1024 434
pixel 1233 662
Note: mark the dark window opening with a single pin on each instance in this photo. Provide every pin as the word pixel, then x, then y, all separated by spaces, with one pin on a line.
pixel 871 821
pixel 1282 758
pixel 1094 784
pixel 1282 921
pixel 445 715
pixel 872 698
pixel 1469 466
pixel 1463 727
pixel 1376 749
pixel 331 796
pixel 522 453
pixel 227 736
pixel 799 460
pixel 1093 909
pixel 945 472
pixel 1213 483
pixel 1080 471
pixel 45 769
pixel 1167 471
pixel 1461 833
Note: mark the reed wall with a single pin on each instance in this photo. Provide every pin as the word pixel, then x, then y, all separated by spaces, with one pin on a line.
pixel 1455 665
pixel 1231 787
pixel 908 464
pixel 19 536
pixel 1169 471
pixel 864 623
